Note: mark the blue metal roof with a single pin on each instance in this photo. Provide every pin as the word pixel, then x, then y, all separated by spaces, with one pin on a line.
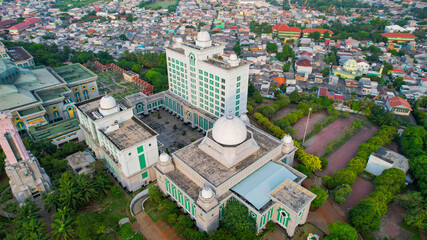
pixel 257 187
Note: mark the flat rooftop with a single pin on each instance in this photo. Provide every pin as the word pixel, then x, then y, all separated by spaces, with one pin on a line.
pixel 74 73
pixel 292 195
pixel 184 183
pixel 130 132
pixel 18 54
pixel 257 187
pixel 215 172
pixel 91 105
pixel 54 129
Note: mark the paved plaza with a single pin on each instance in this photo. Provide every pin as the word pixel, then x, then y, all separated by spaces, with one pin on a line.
pixel 170 138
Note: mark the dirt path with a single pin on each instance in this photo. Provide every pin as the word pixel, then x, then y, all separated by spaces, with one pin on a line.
pixel 348 150
pixel 300 125
pixel 360 190
pixel 317 143
pixel 159 230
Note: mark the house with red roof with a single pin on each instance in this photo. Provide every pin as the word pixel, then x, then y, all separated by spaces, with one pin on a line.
pixel 279 80
pixel 399 37
pixel 304 66
pixel 398 106
pixel 284 31
pixel 307 31
pixel 20 27
pixel 323 92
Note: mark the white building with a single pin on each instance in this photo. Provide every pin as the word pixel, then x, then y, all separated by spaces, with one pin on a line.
pixel 128 146
pixel 384 159
pixel 204 77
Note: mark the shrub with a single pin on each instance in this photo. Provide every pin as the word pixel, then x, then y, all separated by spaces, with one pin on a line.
pixel 184 132
pixel 321 196
pixel 175 127
pixel 340 177
pixel 159 116
pixel 340 231
pixel 303 169
pixel 193 139
pixel 166 122
pixel 364 217
pixel 324 162
pixel 357 165
pixel 341 193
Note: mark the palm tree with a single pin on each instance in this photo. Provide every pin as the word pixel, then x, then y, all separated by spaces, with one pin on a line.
pixel 87 187
pixel 28 211
pixel 69 194
pixel 63 224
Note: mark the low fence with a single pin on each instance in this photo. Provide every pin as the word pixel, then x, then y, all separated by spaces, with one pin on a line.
pixel 136 198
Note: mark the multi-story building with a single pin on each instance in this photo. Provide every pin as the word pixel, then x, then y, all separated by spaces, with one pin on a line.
pixel 399 37
pixel 18 55
pixel 200 74
pixel 127 145
pixel 27 178
pixel 306 32
pixel 40 101
pixel 80 80
pixel 236 162
pixel 284 31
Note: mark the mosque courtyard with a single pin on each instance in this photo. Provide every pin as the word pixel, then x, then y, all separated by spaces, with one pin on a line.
pixel 173 133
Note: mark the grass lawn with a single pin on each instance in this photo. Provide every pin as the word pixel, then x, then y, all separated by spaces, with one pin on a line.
pixel 127 84
pixel 163 4
pixel 151 209
pixel 106 82
pixel 115 87
pixel 302 232
pixel 415 233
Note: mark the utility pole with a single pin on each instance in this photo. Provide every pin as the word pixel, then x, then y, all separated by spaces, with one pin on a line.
pixel 306 125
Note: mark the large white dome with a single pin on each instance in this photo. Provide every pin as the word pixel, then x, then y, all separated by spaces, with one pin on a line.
pixel 203 36
pixel 229 131
pixel 107 102
pixel 350 65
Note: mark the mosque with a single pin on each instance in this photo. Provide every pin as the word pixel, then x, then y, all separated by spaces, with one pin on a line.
pixel 234 161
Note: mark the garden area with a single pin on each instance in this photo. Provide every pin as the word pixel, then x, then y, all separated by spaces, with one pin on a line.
pixel 112 82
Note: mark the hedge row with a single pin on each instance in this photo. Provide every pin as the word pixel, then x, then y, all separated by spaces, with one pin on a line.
pixel 348 133
pixel 264 121
pixel 366 216
pixel 356 165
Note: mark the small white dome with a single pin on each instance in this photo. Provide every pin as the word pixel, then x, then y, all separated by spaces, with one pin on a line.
pixel 164 157
pixel 287 139
pixel 233 57
pixel 244 118
pixel 203 36
pixel 229 131
pixel 207 193
pixel 107 102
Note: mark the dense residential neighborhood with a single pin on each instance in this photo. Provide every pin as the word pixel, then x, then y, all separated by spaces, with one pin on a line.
pixel 182 119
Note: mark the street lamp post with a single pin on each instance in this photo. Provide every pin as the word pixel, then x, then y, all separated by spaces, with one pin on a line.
pixel 306 125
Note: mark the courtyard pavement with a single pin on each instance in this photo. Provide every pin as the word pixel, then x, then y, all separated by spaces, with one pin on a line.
pixel 172 139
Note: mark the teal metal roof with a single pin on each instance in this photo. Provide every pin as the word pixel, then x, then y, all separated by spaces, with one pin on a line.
pixel 257 187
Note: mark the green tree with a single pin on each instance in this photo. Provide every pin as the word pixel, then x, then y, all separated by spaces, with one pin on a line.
pixel 340 177
pixel 237 49
pixel 286 67
pixel 364 217
pixel 87 187
pixel 341 193
pixel 271 47
pixel 294 97
pixel 321 196
pixel 393 179
pixel 123 37
pixel 315 36
pixel 236 219
pixel 416 216
pixel 326 34
pixel 418 167
pixel 63 224
pixel 340 231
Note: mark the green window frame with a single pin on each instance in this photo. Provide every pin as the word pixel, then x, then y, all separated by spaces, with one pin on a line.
pixel 142 162
pixel 144 175
pixel 140 149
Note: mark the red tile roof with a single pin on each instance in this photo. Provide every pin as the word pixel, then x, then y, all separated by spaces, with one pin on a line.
pixel 323 91
pixel 27 23
pixel 310 30
pixel 279 80
pixel 304 63
pixel 286 28
pixel 398 101
pixel 398 35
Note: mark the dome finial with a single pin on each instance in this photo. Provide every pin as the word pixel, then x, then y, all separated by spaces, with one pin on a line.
pixel 230 114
